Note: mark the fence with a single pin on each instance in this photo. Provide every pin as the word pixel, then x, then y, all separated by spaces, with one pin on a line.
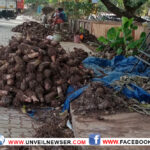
pixel 100 28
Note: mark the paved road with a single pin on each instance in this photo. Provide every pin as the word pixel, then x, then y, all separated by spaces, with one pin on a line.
pixel 7 25
pixel 15 124
pixel 5 34
pixel 12 122
pixel 5 30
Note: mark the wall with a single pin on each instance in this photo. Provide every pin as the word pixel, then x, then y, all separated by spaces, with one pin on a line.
pixel 100 28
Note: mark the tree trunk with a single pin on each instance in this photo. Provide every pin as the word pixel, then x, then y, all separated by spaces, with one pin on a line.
pixel 120 12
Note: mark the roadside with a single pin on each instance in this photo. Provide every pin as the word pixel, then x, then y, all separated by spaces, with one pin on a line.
pixel 14 123
pixel 7 25
pixel 43 76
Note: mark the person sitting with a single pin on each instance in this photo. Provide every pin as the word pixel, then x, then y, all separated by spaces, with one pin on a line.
pixel 60 16
pixel 44 19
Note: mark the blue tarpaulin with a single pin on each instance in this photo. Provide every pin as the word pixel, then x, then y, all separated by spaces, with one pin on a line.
pixel 115 68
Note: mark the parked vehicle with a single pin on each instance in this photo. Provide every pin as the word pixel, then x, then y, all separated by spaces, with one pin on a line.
pixel 20 6
pixel 10 8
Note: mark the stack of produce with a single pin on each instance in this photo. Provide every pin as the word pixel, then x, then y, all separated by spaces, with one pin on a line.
pixel 32 28
pixel 39 71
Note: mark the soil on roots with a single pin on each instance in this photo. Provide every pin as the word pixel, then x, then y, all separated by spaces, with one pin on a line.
pixel 100 99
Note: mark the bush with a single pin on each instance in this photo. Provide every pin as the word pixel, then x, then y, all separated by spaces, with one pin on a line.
pixel 121 40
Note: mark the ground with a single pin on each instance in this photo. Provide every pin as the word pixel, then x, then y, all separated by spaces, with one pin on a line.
pixel 13 123
pixel 5 30
pixel 7 25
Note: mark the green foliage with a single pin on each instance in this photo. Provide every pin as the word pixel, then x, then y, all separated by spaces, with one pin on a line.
pixel 36 1
pixel 82 30
pixel 78 9
pixel 124 44
pixel 118 3
pixel 53 1
pixel 100 6
pixel 144 9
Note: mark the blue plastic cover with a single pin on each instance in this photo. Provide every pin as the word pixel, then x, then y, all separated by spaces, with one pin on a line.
pixel 115 68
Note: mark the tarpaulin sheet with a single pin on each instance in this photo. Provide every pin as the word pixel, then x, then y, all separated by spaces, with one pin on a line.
pixel 115 68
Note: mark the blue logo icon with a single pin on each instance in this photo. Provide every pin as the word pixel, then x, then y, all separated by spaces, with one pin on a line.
pixel 94 139
pixel 2 139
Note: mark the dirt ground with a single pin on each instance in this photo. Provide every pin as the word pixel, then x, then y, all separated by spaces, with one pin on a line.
pixel 101 100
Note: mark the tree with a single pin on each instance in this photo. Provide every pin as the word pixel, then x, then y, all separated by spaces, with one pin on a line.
pixel 37 2
pixel 129 10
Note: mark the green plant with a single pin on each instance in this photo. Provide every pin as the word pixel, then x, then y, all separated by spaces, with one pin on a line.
pixel 36 2
pixel 82 30
pixel 121 39
pixel 77 10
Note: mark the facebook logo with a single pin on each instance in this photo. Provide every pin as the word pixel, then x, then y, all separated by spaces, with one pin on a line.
pixel 94 139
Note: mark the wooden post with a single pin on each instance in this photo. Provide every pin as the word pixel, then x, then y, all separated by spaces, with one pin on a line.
pixel 133 34
pixel 90 28
pixel 78 25
pixel 69 25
